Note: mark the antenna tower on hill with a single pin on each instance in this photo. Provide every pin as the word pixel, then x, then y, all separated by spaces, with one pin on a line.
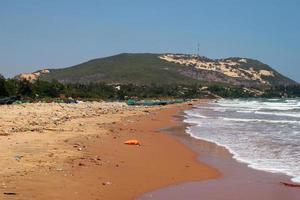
pixel 198 49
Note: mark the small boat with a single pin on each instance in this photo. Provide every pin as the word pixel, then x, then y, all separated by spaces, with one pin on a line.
pixel 9 100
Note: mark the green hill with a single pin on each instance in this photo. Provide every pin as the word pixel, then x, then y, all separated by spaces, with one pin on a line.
pixel 122 68
pixel 169 69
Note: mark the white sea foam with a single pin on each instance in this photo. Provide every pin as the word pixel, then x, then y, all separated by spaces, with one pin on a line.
pixel 287 114
pixel 270 129
pixel 262 120
pixel 193 114
pixel 245 111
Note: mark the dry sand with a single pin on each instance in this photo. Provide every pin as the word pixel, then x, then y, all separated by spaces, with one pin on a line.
pixel 76 151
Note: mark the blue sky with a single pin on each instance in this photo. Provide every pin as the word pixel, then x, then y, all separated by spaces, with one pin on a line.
pixel 37 34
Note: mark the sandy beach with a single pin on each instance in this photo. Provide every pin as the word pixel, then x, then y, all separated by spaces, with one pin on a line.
pixel 77 151
pixel 149 100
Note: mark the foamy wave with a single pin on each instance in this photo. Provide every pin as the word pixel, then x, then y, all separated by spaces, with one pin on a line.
pixel 275 104
pixel 197 115
pixel 262 120
pixel 296 115
pixel 269 167
pixel 269 129
pixel 192 121
pixel 296 179
pixel 245 111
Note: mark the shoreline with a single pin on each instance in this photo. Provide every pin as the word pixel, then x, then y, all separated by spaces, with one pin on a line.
pixel 238 181
pixel 85 157
pixel 103 167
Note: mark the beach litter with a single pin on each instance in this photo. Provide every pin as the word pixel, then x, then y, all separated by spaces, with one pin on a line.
pixel 132 142
pixel 59 169
pixel 18 158
pixel 290 184
pixel 9 193
pixel 4 134
pixel 106 183
pixel 132 102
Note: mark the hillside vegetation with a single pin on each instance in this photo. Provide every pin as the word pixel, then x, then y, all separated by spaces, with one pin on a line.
pixel 143 76
pixel 122 69
pixel 49 91
pixel 164 69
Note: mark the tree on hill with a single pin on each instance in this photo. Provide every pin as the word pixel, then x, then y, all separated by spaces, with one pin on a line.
pixel 3 90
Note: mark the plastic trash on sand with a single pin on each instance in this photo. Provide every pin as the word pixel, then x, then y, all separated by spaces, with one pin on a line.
pixel 132 142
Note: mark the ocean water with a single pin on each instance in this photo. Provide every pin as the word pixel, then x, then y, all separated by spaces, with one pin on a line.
pixel 264 133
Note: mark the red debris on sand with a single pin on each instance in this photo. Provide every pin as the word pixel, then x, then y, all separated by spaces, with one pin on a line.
pixel 290 184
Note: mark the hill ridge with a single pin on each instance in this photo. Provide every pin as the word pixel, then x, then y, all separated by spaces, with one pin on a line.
pixel 147 68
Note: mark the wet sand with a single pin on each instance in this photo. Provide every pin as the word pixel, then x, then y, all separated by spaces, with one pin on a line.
pixel 238 180
pixel 86 158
